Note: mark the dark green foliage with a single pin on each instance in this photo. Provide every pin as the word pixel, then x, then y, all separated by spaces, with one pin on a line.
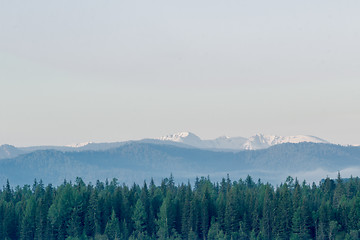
pixel 112 229
pixel 225 210
pixel 139 217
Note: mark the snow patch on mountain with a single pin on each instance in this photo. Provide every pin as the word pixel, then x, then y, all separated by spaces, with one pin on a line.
pixel 183 137
pixel 180 137
pixel 258 141
pixel 261 141
pixel 78 145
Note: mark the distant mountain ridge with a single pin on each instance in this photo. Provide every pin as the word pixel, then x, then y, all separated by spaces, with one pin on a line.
pixel 77 145
pixel 137 161
pixel 182 139
pixel 9 151
pixel 258 141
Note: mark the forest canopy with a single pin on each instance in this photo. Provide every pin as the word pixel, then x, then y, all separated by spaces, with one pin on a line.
pixel 241 209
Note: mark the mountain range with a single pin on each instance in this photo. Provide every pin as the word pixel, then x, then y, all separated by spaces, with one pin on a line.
pixel 182 139
pixel 258 141
pixel 186 156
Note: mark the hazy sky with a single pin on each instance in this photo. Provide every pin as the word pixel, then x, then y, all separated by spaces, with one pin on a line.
pixel 74 71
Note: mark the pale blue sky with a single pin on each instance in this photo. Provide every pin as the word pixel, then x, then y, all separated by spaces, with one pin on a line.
pixel 75 71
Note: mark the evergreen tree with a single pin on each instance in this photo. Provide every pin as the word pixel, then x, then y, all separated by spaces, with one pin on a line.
pixel 205 213
pixel 166 220
pixel 139 217
pixel 2 216
pixel 213 230
pixel 185 219
pixel 267 219
pixel 112 229
pixel 7 192
pixel 41 220
pixel 28 227
pixel 237 210
pixel 10 223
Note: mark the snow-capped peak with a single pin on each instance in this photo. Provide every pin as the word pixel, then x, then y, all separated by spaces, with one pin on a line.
pixel 258 141
pixel 180 137
pixel 183 137
pixel 78 145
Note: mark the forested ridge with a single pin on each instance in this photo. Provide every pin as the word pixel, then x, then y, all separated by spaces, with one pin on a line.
pixel 241 209
pixel 136 161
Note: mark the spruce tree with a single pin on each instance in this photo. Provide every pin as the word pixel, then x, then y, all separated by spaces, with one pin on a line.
pixel 139 218
pixel 112 229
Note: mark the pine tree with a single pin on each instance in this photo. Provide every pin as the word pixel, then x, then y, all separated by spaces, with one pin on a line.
pixel 2 216
pixel 117 203
pixel 339 191
pixel 112 229
pixel 60 211
pixel 185 219
pixel 28 227
pixel 139 218
pixel 195 215
pixel 205 213
pixel 10 222
pixel 267 219
pixel 221 207
pixel 7 192
pixel 333 229
pixel 166 218
pixel 230 213
pixel 213 230
pixel 41 219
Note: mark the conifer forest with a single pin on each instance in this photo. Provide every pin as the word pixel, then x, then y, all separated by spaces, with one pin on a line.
pixel 243 209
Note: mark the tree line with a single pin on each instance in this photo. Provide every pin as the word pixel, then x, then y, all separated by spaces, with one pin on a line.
pixel 241 209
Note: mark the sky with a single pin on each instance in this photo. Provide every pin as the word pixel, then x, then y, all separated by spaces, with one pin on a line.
pixel 73 71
